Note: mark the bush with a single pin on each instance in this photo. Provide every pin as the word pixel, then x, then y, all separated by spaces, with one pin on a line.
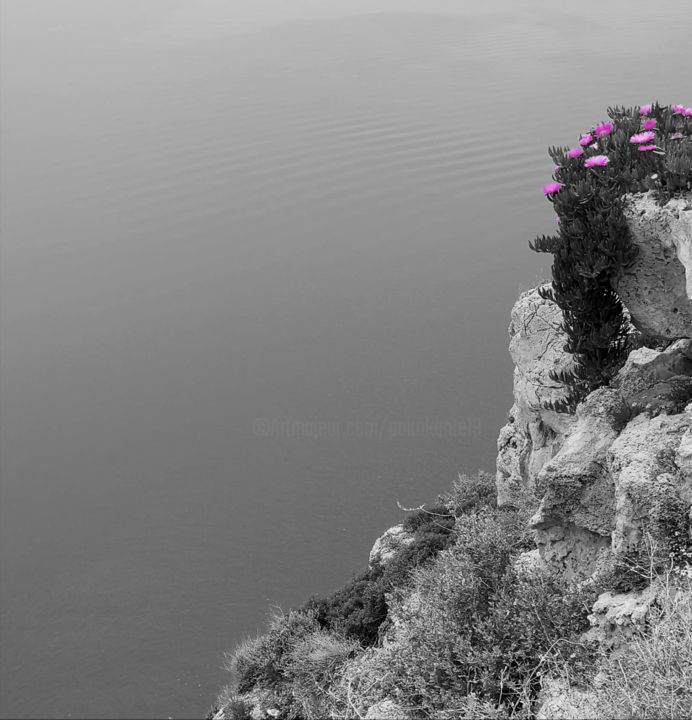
pixel 313 668
pixel 593 244
pixel 436 519
pixel 234 708
pixel 470 493
pixel 534 620
pixel 473 629
pixel 261 661
pixel 666 543
pixel 466 633
pixel 359 609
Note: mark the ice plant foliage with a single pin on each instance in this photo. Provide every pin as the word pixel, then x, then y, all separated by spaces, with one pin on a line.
pixel 648 148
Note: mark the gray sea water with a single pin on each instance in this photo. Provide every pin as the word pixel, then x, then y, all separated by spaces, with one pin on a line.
pixel 258 259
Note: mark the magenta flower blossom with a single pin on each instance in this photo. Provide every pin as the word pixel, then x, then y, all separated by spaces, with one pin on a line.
pixel 645 109
pixel 678 108
pixel 687 112
pixel 585 139
pixel 649 123
pixel 603 129
pixel 575 152
pixel 639 138
pixel 596 160
pixel 646 148
pixel 676 136
pixel 551 187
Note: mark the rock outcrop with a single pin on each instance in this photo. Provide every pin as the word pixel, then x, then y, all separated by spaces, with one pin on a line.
pixel 657 289
pixel 618 472
pixel 388 545
pixel 532 434
pixel 616 618
pixel 577 512
pixel 623 466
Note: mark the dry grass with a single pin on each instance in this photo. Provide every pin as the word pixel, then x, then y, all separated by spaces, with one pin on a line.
pixel 653 677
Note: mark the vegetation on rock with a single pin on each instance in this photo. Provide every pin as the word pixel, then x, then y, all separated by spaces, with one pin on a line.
pixel 640 149
pixel 464 630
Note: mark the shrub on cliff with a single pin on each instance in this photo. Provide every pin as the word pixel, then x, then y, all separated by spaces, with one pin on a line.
pixel 261 661
pixel 639 149
pixel 359 609
pixel 313 668
pixel 434 519
pixel 292 666
pixel 470 493
pixel 473 630
pixel 465 631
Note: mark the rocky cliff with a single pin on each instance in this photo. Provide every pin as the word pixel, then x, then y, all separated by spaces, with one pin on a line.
pixel 618 471
pixel 613 481
pixel 455 592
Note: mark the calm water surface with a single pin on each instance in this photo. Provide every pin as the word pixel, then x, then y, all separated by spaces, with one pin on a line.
pixel 258 260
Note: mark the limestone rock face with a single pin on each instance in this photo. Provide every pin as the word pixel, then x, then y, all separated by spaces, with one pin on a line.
pixel 606 473
pixel 616 618
pixel 624 462
pixel 533 434
pixel 388 544
pixel 657 289
pixel 654 381
pixel 642 465
pixel 577 513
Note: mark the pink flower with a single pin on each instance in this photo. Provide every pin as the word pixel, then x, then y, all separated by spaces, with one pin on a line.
pixel 678 108
pixel 676 136
pixel 552 187
pixel 644 137
pixel 575 152
pixel 585 139
pixel 649 123
pixel 687 112
pixel 644 109
pixel 645 148
pixel 596 160
pixel 603 129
